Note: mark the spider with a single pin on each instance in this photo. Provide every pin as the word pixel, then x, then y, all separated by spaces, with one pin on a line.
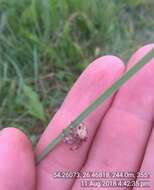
pixel 76 136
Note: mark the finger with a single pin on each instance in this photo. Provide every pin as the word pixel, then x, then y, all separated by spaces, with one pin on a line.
pixel 122 136
pixel 95 79
pixel 147 168
pixel 16 161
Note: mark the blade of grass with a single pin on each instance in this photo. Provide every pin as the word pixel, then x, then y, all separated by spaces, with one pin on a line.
pixel 35 60
pixel 96 103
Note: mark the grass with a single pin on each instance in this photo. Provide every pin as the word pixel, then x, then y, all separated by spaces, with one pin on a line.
pixel 45 45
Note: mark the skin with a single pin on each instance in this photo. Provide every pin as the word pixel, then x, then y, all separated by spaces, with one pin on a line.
pixel 120 135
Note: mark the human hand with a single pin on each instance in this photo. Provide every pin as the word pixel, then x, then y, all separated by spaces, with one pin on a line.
pixel 120 136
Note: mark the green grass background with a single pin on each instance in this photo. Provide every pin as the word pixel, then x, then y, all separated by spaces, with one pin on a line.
pixel 45 45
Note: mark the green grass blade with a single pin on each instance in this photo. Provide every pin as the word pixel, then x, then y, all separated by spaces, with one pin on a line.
pixel 32 103
pixel 132 71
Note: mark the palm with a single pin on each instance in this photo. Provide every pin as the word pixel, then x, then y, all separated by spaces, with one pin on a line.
pixel 118 130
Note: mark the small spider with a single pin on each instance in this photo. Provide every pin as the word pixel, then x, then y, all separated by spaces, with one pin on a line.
pixel 76 136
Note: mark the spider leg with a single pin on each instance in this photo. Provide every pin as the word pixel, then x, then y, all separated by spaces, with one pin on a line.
pixel 69 140
pixel 76 145
pixel 85 139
